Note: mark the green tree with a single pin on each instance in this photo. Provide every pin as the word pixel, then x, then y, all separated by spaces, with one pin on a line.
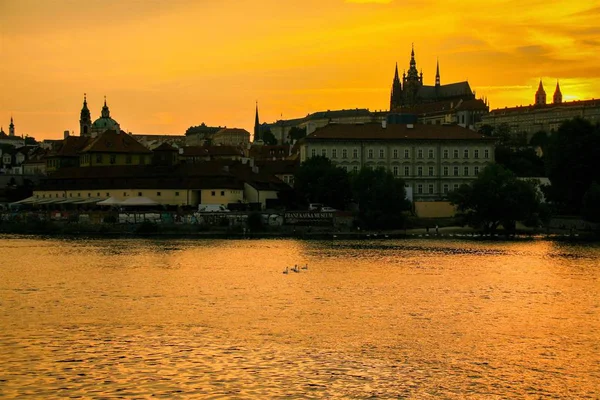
pixel 497 198
pixel 317 180
pixel 269 138
pixel 591 203
pixel 381 198
pixel 523 162
pixel 539 139
pixel 486 130
pixel 572 163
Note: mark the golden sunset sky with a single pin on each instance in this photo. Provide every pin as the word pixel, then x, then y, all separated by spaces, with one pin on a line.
pixel 167 65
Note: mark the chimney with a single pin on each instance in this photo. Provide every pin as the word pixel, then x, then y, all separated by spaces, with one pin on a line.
pixel 384 124
pixel 66 134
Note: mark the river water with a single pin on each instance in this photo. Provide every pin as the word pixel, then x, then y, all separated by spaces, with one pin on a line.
pixel 387 319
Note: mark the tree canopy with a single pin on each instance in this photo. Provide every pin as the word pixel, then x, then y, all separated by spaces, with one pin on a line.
pixel 572 163
pixel 296 133
pixel 268 137
pixel 497 198
pixel 381 198
pixel 317 180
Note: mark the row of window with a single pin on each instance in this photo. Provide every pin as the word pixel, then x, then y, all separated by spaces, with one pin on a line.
pixel 112 159
pixel 395 153
pixel 431 188
pixel 98 194
pixel 466 171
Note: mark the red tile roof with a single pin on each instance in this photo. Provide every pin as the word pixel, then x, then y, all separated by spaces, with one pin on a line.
pixel 394 132
pixel 115 142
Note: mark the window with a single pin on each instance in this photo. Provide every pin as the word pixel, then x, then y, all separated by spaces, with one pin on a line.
pixel 139 194
pixel 475 171
pixel 420 188
pixel 97 194
pixel 430 171
pixel 430 153
pixel 222 193
pixel 313 153
pixel 70 194
pixel 455 171
pixel 395 153
pixel 466 153
pixel 333 153
pixel 455 186
pixel 455 153
pixel 420 153
pixel 466 171
pixel 446 153
pixel 395 169
pixel 370 153
pixel 381 153
pixel 344 153
pixel 355 153
pixel 324 152
pixel 113 158
pixel 124 194
pixel 446 189
pixel 158 193
pixel 212 193
pixel 486 153
pixel 355 168
pixel 475 153
pixel 406 171
pixel 99 158
pixel 142 160
pixel 420 171
pixel 107 194
pixel 406 153
pixel 430 188
pixel 128 159
pixel 89 195
pixel 445 171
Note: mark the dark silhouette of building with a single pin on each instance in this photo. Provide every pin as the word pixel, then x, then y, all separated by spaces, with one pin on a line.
pixel 257 127
pixel 557 98
pixel 540 95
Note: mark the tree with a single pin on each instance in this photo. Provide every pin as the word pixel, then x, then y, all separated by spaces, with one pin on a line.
pixel 539 139
pixel 591 203
pixel 486 130
pixel 497 198
pixel 572 163
pixel 268 137
pixel 296 133
pixel 381 198
pixel 317 180
pixel 522 162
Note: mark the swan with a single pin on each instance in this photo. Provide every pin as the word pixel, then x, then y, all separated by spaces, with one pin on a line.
pixel 305 267
pixel 286 271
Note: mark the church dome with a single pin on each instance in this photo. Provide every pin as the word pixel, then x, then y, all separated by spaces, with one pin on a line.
pixel 105 123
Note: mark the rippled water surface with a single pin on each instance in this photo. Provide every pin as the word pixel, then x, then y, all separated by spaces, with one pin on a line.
pixel 422 319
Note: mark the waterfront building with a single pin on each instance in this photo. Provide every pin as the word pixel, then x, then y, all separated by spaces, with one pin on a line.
pixel 432 159
pixel 542 116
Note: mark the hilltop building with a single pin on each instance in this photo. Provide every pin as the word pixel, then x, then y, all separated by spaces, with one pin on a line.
pixel 541 116
pixel 87 128
pixel 412 91
pixel 11 138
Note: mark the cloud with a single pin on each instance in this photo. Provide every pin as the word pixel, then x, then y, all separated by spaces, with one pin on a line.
pixel 369 1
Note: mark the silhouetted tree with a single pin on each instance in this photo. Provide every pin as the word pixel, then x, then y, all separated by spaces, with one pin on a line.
pixel 591 203
pixel 268 137
pixel 296 133
pixel 317 180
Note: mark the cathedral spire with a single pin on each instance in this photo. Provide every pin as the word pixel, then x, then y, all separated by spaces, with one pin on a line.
pixel 437 73
pixel 396 95
pixel 557 98
pixel 11 127
pixel 105 111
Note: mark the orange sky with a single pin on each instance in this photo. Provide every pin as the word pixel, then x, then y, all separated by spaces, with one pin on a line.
pixel 166 65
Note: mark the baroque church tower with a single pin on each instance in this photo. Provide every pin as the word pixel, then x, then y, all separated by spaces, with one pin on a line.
pixel 85 119
pixel 11 128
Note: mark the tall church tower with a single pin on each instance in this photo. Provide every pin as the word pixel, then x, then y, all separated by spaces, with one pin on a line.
pixel 85 120
pixel 257 130
pixel 412 82
pixel 396 96
pixel 11 128
pixel 540 95
pixel 557 98
pixel 437 75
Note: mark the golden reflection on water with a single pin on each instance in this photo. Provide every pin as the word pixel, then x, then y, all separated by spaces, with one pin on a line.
pixel 219 319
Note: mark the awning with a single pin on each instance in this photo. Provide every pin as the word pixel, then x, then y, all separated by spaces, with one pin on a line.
pixel 111 201
pixel 48 201
pixel 139 201
pixel 28 200
pixel 70 200
pixel 90 200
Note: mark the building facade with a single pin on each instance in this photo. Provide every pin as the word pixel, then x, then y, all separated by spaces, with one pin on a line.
pixel 432 159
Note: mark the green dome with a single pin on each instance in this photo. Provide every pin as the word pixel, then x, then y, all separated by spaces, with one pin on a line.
pixel 105 123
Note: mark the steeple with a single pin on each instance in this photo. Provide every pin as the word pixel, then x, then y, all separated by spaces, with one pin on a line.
pixel 11 128
pixel 557 98
pixel 85 120
pixel 105 111
pixel 396 95
pixel 437 73
pixel 257 133
pixel 540 95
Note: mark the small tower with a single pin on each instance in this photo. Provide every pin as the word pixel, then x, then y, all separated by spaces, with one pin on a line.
pixel 557 98
pixel 437 74
pixel 105 111
pixel 11 128
pixel 540 95
pixel 85 120
pixel 257 130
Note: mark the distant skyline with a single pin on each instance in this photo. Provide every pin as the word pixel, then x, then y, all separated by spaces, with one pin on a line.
pixel 167 65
